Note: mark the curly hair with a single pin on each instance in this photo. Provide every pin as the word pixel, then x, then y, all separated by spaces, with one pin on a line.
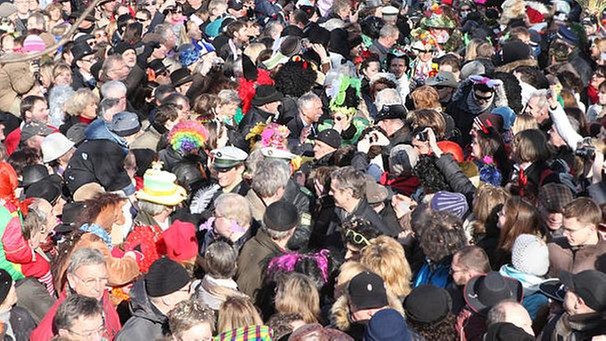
pixel 443 236
pixel 513 90
pixel 430 176
pixel 385 257
pixel 443 330
pixel 361 227
pixel 300 70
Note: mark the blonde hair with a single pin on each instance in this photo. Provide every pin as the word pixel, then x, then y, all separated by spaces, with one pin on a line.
pixel 470 50
pixel 253 50
pixel 297 294
pixel 524 122
pixel 237 312
pixel 385 257
pixel 347 271
pixel 234 207
pixel 487 201
pixel 80 100
pixel 61 68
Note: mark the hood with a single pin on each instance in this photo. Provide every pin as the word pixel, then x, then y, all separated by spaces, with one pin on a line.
pixel 97 130
pixel 339 313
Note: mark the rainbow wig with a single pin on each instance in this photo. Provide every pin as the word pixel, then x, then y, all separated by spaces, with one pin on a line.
pixel 188 137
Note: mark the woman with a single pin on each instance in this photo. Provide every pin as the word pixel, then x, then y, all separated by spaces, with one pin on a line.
pixel 297 294
pixel 530 153
pixel 516 217
pixel 81 108
pixel 358 233
pixel 232 220
pixel 190 320
pixel 237 312
pixel 487 203
pixel 489 155
pixel 385 257
pixel 220 263
pixel 524 122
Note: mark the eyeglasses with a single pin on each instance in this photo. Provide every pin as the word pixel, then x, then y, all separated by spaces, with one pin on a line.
pixel 141 20
pixel 92 281
pixel 99 331
pixel 356 237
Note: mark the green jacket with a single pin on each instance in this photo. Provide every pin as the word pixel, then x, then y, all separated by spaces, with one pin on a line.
pixel 13 269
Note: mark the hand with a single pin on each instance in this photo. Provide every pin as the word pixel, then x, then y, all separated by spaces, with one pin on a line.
pixel 364 145
pixel 402 205
pixel 433 142
pixel 552 98
pixel 353 17
pixel 34 67
pixel 597 168
pixel 304 134
pixel 320 50
pixel 379 139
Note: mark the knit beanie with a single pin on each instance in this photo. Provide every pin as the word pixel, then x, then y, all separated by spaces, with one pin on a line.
pixel 530 255
pixel 33 43
pixel 164 277
pixel 453 203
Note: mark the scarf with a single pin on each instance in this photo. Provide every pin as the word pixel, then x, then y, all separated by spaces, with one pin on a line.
pixel 99 232
pixel 474 107
pixel 530 283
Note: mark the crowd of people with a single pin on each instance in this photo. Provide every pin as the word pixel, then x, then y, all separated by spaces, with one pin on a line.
pixel 302 170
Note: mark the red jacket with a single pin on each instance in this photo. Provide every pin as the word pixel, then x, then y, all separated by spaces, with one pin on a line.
pixel 44 331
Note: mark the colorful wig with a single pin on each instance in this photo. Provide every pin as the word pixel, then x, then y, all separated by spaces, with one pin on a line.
pixel 187 137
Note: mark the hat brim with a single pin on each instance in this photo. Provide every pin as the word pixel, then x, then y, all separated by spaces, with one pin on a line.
pixel 475 303
pixel 183 81
pixel 554 289
pixel 275 60
pixel 176 198
pixel 273 98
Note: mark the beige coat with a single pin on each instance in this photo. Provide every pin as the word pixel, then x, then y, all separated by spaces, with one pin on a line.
pixel 16 79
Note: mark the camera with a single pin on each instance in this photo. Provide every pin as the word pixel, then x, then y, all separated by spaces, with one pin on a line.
pixel 422 136
pixel 586 152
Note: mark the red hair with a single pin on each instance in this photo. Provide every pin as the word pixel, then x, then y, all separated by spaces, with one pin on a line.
pixel 8 184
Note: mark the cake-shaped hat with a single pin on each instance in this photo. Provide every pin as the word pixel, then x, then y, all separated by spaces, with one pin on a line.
pixel 159 187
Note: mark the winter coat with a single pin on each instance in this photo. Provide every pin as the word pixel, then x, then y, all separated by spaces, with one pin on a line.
pixel 100 161
pixel 148 140
pixel 564 257
pixel 365 211
pixel 21 323
pixel 147 322
pixel 213 292
pixel 253 260
pixel 44 331
pixel 16 79
pixel 340 315
pixel 12 269
pixel 574 328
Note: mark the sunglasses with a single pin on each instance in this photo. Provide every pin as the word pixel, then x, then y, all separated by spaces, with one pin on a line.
pixel 481 98
pixel 356 237
pixel 141 20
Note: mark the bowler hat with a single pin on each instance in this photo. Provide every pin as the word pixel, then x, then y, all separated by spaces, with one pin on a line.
pixel 266 94
pixel 485 291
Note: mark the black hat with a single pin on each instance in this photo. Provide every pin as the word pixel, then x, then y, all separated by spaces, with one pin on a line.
pixel 392 111
pixel 122 47
pixel 281 216
pixel 331 137
pixel 6 282
pixel 512 51
pixel 180 77
pixel 318 35
pixel 158 66
pixel 70 214
pixel 266 94
pixel 427 304
pixel 84 38
pixel 164 277
pixel 80 51
pixel 485 291
pixel 367 291
pixel 49 189
pixel 502 331
pixel 554 289
pixel 34 128
pixel 32 174
pixel 292 30
pixel 588 285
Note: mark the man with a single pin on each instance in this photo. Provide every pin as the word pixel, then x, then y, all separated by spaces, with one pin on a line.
pixel 98 128
pixel 279 223
pixel 388 37
pixel 553 198
pixel 367 296
pixel 166 117
pixel 584 307
pixel 348 188
pixel 33 133
pixel 182 80
pixel 304 125
pixel 87 276
pixel 80 318
pixel 538 107
pixel 116 90
pixel 326 144
pixel 17 321
pixel 511 312
pixel 445 84
pixel 102 160
pixel 165 285
pixel 398 65
pixel 391 119
pixel 482 293
pixel 84 58
pixel 264 109
pixel 33 108
pixel 582 245
pixel 238 39
pixel 272 182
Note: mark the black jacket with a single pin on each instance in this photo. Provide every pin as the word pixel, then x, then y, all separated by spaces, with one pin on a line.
pixel 294 194
pixel 366 212
pixel 78 81
pixel 254 116
pixel 455 177
pixel 147 322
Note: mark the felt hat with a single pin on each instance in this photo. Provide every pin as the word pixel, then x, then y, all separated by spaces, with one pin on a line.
pixel 180 77
pixel 331 137
pixel 367 291
pixel 34 128
pixel 180 240
pixel 443 78
pixel 266 94
pixel 69 216
pixel 281 216
pixel 87 191
pixel 32 174
pixel 228 157
pixel 485 291
pixel 7 9
pixel 165 276
pixel 54 146
pixel 125 123
pixel 49 189
pixel 588 285
pixel 427 304
pixel 159 187
pixel 387 325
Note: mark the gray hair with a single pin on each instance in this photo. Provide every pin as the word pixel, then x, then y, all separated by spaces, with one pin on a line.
pixel 35 219
pixel 164 31
pixel 112 86
pixel 350 178
pixel 220 260
pixel 306 100
pixel 82 257
pixel 388 31
pixel 234 207
pixel 57 99
pixel 106 104
pixel 387 96
pixel 542 95
pixel 270 176
pixel 151 207
pixel 228 96
pixel 276 235
pixel 108 64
